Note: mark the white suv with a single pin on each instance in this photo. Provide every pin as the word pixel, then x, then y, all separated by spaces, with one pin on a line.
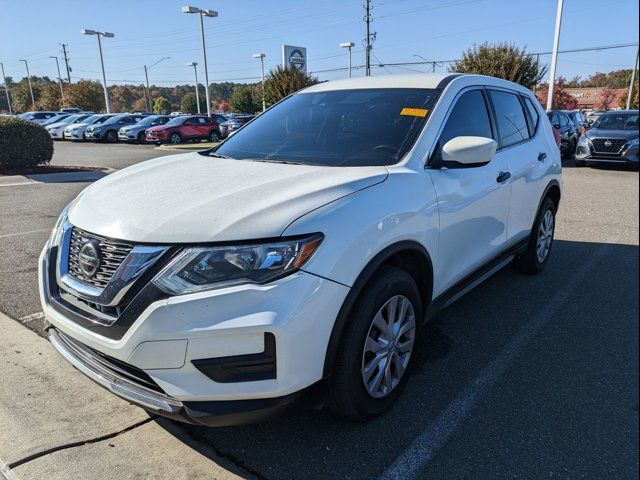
pixel 299 259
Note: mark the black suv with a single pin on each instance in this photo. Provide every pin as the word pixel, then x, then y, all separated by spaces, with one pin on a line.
pixel 579 120
pixel 568 131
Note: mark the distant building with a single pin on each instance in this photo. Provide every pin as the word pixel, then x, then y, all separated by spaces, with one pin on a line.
pixel 588 97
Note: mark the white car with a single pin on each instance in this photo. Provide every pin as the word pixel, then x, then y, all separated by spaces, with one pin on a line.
pixel 56 130
pixel 299 259
pixel 76 131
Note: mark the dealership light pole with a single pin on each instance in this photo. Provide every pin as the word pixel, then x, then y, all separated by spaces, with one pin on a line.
pixel 633 79
pixel 195 71
pixel 104 77
pixel 554 55
pixel 203 13
pixel 348 46
pixel 261 57
pixel 59 77
pixel 146 77
pixel 6 88
pixel 33 100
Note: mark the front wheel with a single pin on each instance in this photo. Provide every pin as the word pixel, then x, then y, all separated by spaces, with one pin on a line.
pixel 580 163
pixel 175 138
pixel 535 257
pixel 142 138
pixel 377 347
pixel 214 136
pixel 111 136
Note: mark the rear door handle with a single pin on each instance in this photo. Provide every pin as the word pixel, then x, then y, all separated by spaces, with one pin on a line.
pixel 542 156
pixel 503 177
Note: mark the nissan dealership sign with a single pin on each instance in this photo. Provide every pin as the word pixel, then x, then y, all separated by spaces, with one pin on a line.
pixel 294 57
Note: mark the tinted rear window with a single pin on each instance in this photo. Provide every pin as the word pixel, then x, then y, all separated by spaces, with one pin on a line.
pixel 338 128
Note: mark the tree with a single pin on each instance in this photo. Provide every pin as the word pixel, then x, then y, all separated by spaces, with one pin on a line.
pixel 122 98
pixel 140 105
pixel 281 82
pixel 84 94
pixel 49 98
pixel 502 60
pixel 606 99
pixel 189 104
pixel 562 100
pixel 223 105
pixel 243 100
pixel 634 98
pixel 21 97
pixel 161 105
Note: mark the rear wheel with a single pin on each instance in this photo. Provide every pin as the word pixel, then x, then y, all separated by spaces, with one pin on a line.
pixel 536 255
pixel 175 138
pixel 377 347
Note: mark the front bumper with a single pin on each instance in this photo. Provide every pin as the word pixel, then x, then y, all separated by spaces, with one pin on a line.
pixel 128 136
pixel 171 337
pixel 92 135
pixel 74 135
pixel 587 154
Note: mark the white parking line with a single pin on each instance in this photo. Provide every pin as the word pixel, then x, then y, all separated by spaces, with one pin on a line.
pixel 422 450
pixel 29 232
pixel 33 316
pixel 5 472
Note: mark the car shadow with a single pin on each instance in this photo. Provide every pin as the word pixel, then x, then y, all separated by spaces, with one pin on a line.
pixel 457 345
pixel 611 167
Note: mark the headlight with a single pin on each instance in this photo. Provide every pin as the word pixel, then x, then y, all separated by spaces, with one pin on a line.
pixel 205 268
pixel 56 234
pixel 633 143
pixel 584 141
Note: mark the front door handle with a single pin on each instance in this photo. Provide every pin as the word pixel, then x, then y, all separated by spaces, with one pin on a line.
pixel 503 177
pixel 542 156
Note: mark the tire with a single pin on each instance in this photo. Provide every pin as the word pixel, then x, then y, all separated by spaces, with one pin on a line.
pixel 175 138
pixel 580 163
pixel 214 136
pixel 348 395
pixel 111 136
pixel 142 138
pixel 532 261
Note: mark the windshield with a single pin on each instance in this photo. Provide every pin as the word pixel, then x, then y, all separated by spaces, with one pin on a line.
pixel 101 119
pixel 56 119
pixel 617 121
pixel 147 120
pixel 176 121
pixel 114 119
pixel 362 127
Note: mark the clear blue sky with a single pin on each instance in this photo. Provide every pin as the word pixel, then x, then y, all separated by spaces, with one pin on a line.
pixel 147 30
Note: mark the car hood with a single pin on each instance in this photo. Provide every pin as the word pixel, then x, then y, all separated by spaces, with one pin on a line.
pixel 159 128
pixel 626 134
pixel 195 198
pixel 76 125
pixel 56 125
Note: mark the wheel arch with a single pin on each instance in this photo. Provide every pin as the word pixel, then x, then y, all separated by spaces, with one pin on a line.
pixel 408 255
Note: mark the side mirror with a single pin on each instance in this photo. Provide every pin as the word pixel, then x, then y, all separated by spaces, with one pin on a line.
pixel 556 126
pixel 469 151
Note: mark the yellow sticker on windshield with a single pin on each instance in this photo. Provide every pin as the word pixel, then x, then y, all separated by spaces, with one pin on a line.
pixel 414 112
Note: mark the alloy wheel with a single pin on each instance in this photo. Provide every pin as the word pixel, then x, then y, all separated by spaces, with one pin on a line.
pixel 174 138
pixel 545 236
pixel 388 346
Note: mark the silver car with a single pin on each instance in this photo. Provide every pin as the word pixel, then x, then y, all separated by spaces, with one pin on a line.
pixel 76 131
pixel 56 129
pixel 135 133
pixel 39 117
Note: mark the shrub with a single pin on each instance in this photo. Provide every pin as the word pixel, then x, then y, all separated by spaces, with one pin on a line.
pixel 281 82
pixel 23 144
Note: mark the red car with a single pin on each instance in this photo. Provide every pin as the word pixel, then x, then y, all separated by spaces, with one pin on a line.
pixel 183 128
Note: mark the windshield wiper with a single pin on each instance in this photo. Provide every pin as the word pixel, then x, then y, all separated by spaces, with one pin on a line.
pixel 284 162
pixel 217 155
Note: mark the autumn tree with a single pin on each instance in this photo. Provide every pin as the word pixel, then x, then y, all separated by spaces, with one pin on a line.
pixel 223 105
pixel 49 98
pixel 84 94
pixel 634 98
pixel 161 106
pixel 244 99
pixel 562 100
pixel 281 82
pixel 502 60
pixel 21 97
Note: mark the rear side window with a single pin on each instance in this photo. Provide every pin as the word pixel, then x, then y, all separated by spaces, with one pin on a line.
pixel 469 118
pixel 534 116
pixel 512 123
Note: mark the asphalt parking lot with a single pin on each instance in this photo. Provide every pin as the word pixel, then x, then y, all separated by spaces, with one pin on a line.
pixel 525 377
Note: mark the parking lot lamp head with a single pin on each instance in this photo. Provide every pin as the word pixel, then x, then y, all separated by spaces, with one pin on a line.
pixel 203 13
pixel 348 46
pixel 261 57
pixel 195 71
pixel 86 31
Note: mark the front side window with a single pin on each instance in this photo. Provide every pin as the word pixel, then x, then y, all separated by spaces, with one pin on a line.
pixel 564 120
pixel 362 127
pixel 512 123
pixel 469 118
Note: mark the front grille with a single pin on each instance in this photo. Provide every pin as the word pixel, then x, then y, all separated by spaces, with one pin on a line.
pixel 112 254
pixel 614 146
